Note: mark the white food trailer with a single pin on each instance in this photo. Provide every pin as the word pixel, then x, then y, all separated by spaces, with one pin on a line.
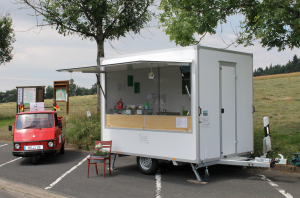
pixel 185 105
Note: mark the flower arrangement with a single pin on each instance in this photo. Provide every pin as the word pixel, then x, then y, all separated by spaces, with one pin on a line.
pixel 99 151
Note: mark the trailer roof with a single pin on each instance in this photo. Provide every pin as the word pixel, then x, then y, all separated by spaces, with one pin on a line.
pixel 141 64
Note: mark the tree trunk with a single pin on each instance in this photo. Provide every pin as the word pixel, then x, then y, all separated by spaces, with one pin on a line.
pixel 100 54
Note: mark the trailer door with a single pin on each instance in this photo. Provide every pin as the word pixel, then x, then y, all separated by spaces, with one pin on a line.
pixel 228 109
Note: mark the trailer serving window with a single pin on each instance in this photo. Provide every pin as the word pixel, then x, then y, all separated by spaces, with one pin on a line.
pixel 148 95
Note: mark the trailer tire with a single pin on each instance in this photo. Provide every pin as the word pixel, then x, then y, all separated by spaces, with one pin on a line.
pixel 147 166
pixel 62 148
pixel 35 159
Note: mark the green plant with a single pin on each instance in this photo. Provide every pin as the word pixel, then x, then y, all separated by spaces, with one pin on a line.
pixel 86 147
pixel 100 152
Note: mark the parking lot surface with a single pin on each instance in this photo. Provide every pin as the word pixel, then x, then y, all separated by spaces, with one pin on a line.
pixel 66 176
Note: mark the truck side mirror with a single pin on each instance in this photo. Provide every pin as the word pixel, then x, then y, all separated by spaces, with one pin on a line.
pixel 10 128
pixel 59 125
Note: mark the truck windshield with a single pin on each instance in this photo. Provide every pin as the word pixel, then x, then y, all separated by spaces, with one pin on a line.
pixel 35 120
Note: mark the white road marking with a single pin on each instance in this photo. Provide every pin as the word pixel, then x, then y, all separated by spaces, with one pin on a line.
pixel 3 145
pixel 158 185
pixel 66 173
pixel 276 187
pixel 10 161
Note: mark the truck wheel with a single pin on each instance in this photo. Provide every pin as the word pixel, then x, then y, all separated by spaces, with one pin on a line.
pixel 147 166
pixel 62 148
pixel 35 160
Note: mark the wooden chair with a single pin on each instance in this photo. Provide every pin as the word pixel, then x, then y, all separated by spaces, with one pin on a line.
pixel 106 144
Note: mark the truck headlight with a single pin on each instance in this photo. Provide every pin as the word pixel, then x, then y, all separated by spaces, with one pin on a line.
pixel 50 144
pixel 17 146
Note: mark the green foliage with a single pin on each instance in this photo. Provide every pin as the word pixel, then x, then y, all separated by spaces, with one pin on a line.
pixel 86 147
pixel 49 92
pixel 80 130
pixel 274 24
pixel 8 96
pixel 291 66
pixel 7 38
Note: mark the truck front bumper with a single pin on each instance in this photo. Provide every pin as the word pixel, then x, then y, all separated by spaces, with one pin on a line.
pixel 34 153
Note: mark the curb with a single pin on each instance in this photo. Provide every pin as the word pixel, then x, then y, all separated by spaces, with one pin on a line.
pixel 22 190
pixel 286 169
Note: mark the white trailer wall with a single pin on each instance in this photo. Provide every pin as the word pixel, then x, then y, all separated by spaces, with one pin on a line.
pixel 211 60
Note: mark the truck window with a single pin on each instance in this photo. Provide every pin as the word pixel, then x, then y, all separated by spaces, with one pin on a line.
pixel 34 120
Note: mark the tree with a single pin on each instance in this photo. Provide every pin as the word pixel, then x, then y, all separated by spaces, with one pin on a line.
pixel 7 38
pixel 49 92
pixel 272 23
pixel 97 20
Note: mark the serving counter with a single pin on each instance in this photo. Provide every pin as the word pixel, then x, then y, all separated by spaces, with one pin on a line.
pixel 153 122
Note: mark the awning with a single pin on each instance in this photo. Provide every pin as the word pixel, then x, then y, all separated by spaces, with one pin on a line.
pixel 142 64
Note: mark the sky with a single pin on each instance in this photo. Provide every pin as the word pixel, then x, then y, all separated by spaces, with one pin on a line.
pixel 38 54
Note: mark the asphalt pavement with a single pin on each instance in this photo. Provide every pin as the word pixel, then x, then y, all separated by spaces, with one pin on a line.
pixel 66 176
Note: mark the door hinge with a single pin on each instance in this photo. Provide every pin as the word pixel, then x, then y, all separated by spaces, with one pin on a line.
pixel 199 111
pixel 222 110
pixel 235 76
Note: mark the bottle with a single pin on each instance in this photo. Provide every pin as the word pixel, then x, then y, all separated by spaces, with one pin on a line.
pixel 206 175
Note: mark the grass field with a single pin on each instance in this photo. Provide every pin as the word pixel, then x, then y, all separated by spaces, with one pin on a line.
pixel 276 96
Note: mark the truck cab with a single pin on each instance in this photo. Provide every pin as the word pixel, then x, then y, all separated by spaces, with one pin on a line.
pixel 38 133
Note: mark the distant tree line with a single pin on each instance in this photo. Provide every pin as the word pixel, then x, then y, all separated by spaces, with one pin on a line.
pixel 74 90
pixel 291 66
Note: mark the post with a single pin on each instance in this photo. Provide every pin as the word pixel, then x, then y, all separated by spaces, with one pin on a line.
pixel 98 92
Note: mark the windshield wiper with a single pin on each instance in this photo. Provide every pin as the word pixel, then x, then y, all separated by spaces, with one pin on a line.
pixel 30 127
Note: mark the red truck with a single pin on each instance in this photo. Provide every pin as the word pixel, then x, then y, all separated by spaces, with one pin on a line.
pixel 38 133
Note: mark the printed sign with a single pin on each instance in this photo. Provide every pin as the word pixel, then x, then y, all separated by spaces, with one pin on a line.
pixel 61 95
pixel 20 95
pixel 181 122
pixel 29 95
pixel 144 138
pixel 205 122
pixel 38 106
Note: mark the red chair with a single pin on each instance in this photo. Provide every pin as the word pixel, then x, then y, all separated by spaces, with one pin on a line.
pixel 106 144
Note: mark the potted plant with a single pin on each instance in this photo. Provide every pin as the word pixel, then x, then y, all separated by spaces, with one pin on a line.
pixel 99 153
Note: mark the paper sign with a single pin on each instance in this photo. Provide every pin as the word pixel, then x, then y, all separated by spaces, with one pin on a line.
pixel 205 122
pixel 139 112
pixel 20 95
pixel 144 138
pixel 88 113
pixel 29 95
pixel 128 111
pixel 61 95
pixel 121 87
pixel 38 106
pixel 181 122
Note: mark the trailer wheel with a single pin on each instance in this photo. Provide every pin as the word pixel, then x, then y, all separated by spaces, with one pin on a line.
pixel 147 166
pixel 35 160
pixel 62 148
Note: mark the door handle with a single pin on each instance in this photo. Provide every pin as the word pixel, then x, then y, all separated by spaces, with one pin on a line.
pixel 222 110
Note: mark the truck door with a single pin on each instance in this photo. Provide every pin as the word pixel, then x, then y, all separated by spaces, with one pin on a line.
pixel 57 132
pixel 228 109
